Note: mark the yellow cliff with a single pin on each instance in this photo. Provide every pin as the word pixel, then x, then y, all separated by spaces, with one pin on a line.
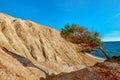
pixel 29 51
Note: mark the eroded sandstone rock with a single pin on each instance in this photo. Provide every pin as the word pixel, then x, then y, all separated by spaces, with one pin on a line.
pixel 108 70
pixel 30 49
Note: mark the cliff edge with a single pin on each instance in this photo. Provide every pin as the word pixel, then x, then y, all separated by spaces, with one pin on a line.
pixel 29 51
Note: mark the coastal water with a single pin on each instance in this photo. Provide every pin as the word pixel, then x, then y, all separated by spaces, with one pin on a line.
pixel 112 49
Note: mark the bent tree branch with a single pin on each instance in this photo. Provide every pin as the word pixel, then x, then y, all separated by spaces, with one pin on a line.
pixel 104 53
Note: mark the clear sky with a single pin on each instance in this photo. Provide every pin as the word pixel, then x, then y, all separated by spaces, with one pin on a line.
pixel 102 16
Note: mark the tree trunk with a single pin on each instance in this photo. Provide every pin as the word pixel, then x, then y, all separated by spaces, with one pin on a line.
pixel 104 53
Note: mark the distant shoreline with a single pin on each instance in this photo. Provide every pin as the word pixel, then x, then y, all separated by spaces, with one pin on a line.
pixel 94 56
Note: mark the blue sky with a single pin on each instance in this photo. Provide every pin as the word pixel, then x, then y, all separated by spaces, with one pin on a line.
pixel 102 16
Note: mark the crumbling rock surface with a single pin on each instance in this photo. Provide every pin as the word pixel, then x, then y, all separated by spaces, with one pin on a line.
pixel 29 51
pixel 108 70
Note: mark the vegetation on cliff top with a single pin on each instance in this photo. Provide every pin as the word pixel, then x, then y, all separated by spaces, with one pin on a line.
pixel 80 35
pixel 77 34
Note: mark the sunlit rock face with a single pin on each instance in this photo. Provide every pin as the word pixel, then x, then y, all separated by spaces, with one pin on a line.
pixel 29 51
pixel 108 70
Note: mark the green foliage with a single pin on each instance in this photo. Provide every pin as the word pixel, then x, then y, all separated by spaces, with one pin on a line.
pixel 67 30
pixel 78 34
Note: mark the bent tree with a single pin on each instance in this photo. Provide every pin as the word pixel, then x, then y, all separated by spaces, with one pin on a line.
pixel 80 35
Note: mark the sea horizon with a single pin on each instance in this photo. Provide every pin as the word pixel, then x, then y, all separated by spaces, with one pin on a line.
pixel 110 41
pixel 112 48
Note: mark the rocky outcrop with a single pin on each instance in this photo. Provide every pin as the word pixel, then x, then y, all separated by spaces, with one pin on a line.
pixel 12 69
pixel 30 49
pixel 108 70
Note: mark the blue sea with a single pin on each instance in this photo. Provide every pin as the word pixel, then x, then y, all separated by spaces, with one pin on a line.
pixel 112 49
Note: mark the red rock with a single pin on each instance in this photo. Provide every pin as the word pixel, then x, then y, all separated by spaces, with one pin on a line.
pixel 108 70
